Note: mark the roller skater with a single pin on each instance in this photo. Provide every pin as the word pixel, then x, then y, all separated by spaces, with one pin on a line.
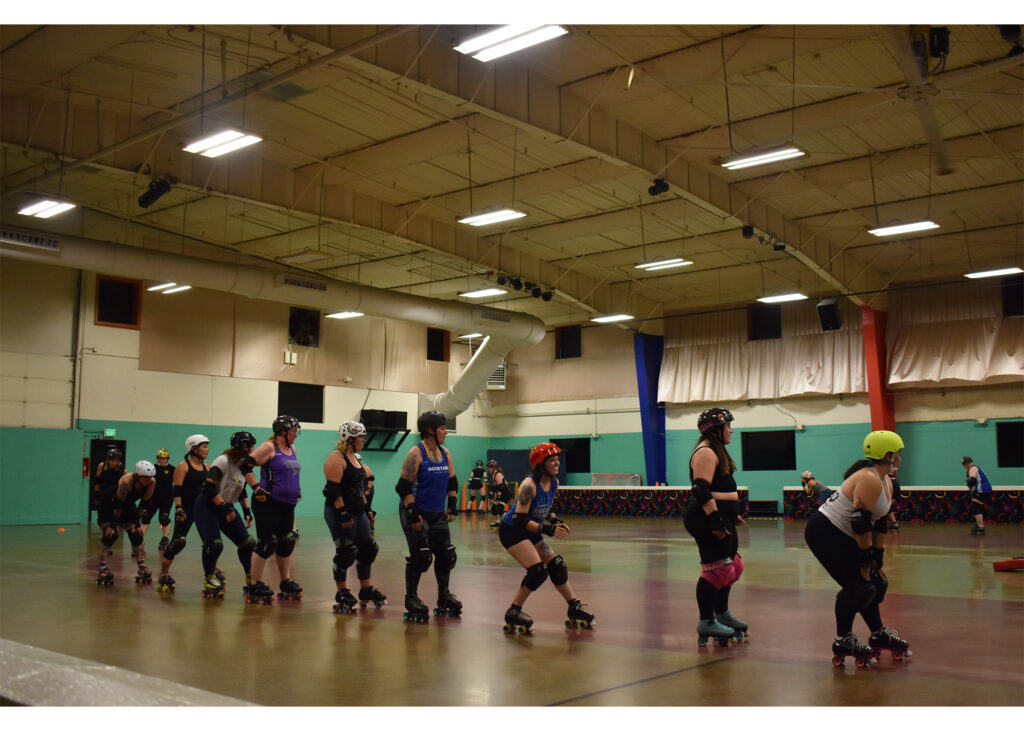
pixel 344 602
pixel 887 639
pixel 845 536
pixel 368 594
pixel 477 492
pixel 524 527
pixel 104 576
pixel 979 494
pixel 517 622
pixel 108 472
pixel 213 588
pixel 722 634
pixel 163 498
pixel 165 584
pixel 145 576
pixel 427 490
pixel 290 591
pixel 188 483
pixel 849 646
pixel 117 511
pixel 739 627
pixel 415 610
pixel 448 605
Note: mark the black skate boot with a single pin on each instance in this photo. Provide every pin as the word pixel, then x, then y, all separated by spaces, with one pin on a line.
pixel 290 590
pixel 104 576
pixel 737 625
pixel 368 594
pixel 220 575
pixel 977 530
pixel 258 593
pixel 415 610
pixel 887 639
pixel 710 628
pixel 145 576
pixel 165 584
pixel 517 622
pixel 578 616
pixel 448 605
pixel 850 646
pixel 213 588
pixel 345 603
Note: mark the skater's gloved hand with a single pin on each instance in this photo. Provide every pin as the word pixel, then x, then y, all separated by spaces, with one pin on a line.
pixel 547 529
pixel 227 511
pixel 372 515
pixel 894 527
pixel 717 525
pixel 259 494
pixel 180 516
pixel 248 515
pixel 452 510
pixel 412 516
pixel 344 517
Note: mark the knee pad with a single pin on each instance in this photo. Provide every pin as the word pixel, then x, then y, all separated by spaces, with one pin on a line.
pixel 737 569
pixel 165 518
pixel 213 549
pixel 286 545
pixel 862 594
pixel 496 509
pixel 135 536
pixel 265 549
pixel 109 540
pixel 881 585
pixel 558 571
pixel 449 557
pixel 368 553
pixel 535 576
pixel 977 508
pixel 345 553
pixel 420 559
pixel 718 573
pixel 174 547
pixel 247 547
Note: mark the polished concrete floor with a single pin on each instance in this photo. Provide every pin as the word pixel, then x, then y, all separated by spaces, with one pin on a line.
pixel 965 623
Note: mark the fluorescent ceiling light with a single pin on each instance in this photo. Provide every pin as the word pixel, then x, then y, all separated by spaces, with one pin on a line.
pixel 471 335
pixel 611 318
pixel 304 257
pixel 994 273
pixel 763 158
pixel 484 219
pixel 488 292
pixel 180 288
pixel 782 298
pixel 508 39
pixel 158 287
pixel 903 228
pixel 345 315
pixel 46 209
pixel 222 143
pixel 653 266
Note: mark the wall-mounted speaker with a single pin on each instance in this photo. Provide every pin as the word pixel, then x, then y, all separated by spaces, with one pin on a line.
pixel 829 315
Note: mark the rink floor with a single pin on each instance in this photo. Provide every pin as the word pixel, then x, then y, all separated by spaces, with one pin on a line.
pixel 964 621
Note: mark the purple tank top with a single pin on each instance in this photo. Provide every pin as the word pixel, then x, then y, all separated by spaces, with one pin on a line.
pixel 280 476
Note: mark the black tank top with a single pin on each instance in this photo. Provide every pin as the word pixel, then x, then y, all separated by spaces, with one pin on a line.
pixel 353 488
pixel 164 478
pixel 108 477
pixel 193 483
pixel 721 482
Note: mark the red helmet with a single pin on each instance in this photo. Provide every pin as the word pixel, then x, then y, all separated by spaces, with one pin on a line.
pixel 541 452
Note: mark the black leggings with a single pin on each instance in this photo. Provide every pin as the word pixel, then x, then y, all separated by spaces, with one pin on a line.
pixel 840 555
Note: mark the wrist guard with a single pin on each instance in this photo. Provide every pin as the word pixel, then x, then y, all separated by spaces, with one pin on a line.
pixel 716 522
pixel 547 528
pixel 412 513
pixel 343 515
pixel 226 510
pixel 452 508
pixel 246 512
pixel 555 520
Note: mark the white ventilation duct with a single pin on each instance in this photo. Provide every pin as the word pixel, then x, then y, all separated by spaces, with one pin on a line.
pixel 506 330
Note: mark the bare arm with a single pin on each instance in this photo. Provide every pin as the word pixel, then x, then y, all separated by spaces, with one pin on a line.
pixel 704 462
pixel 411 469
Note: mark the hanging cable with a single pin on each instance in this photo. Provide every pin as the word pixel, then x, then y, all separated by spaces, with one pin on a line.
pixel 728 114
pixel 874 195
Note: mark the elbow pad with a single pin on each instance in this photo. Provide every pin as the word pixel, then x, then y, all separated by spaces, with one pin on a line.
pixel 860 521
pixel 520 520
pixel 403 488
pixel 332 490
pixel 701 491
pixel 246 465
pixel 453 484
pixel 972 483
pixel 210 489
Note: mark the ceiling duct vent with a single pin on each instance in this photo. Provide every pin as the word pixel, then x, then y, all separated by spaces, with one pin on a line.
pixel 495 316
pixel 283 92
pixel 304 283
pixel 25 238
pixel 496 381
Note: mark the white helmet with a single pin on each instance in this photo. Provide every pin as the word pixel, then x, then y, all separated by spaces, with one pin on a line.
pixel 145 468
pixel 194 441
pixel 806 474
pixel 351 429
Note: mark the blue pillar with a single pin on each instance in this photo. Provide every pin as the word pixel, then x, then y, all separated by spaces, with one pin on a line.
pixel 648 350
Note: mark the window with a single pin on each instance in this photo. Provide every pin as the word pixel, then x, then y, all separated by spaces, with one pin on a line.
pixel 439 343
pixel 764 321
pixel 576 457
pixel 769 450
pixel 1013 295
pixel 304 327
pixel 568 343
pixel 1010 443
pixel 118 302
pixel 302 400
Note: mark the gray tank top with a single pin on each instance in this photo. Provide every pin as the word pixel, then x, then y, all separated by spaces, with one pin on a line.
pixel 839 509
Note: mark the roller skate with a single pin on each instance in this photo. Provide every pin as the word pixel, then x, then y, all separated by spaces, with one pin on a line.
pixel 165 584
pixel 737 625
pixel 213 588
pixel 104 576
pixel 145 576
pixel 368 594
pixel 220 575
pixel 887 639
pixel 415 610
pixel 517 622
pixel 447 605
pixel 290 590
pixel 494 524
pixel 162 545
pixel 578 616
pixel 710 628
pixel 977 530
pixel 345 603
pixel 850 646
pixel 258 593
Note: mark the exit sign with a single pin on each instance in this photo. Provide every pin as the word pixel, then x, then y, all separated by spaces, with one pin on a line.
pixel 110 432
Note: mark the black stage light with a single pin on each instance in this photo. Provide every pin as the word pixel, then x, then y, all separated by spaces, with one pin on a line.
pixel 502 279
pixel 778 246
pixel 748 232
pixel 546 296
pixel 516 284
pixel 660 186
pixel 535 292
pixel 157 189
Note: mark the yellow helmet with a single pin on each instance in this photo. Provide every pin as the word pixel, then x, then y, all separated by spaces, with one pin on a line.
pixel 878 443
pixel 162 453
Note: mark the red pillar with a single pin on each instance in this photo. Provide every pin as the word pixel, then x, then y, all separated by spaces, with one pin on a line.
pixel 883 414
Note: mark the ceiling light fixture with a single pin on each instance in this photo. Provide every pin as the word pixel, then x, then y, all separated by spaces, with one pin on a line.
pixel 485 219
pixel 486 292
pixel 222 143
pixel 903 228
pixel 792 297
pixel 179 288
pixel 611 318
pixel 158 287
pixel 471 335
pixel 46 209
pixel 995 273
pixel 653 266
pixel 508 39
pixel 345 315
pixel 762 158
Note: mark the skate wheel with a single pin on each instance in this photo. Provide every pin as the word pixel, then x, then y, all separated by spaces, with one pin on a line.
pixel 861 663
pixel 837 661
pixel 702 642
pixel 723 641
pixel 506 629
pixel 897 656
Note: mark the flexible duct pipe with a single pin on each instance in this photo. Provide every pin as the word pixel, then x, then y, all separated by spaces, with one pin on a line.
pixel 506 330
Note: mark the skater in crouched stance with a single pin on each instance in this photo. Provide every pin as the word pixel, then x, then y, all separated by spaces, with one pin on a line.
pixel 215 512
pixel 840 537
pixel 117 511
pixel 347 516
pixel 522 532
pixel 710 517
pixel 427 488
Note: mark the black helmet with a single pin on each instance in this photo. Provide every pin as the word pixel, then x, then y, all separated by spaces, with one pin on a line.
pixel 243 440
pixel 712 418
pixel 284 424
pixel 115 454
pixel 479 463
pixel 430 420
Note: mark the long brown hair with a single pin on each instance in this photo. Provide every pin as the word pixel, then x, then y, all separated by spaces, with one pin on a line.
pixel 725 464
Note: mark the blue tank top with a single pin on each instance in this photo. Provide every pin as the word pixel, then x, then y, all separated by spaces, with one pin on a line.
pixel 983 484
pixel 540 507
pixel 280 476
pixel 431 490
